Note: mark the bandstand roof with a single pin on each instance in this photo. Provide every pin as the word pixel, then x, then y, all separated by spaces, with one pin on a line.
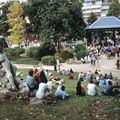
pixel 107 23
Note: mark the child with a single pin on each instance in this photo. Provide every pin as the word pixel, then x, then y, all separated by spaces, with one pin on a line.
pixel 60 93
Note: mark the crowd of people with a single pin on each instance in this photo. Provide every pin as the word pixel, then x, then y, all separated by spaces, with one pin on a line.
pixel 41 87
pixel 42 83
pixel 105 47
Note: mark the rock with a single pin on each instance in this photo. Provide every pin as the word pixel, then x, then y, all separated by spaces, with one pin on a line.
pixel 9 81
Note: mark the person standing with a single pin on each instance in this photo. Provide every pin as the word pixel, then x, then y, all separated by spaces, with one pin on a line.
pixel 58 65
pixel 118 63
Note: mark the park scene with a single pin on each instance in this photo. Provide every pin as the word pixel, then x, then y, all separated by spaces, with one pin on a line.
pixel 59 59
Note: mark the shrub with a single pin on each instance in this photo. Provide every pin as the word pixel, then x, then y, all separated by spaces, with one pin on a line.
pixel 50 60
pixel 80 51
pixel 38 52
pixel 47 48
pixel 14 51
pixel 25 60
pixel 80 54
pixel 33 52
pixel 66 54
pixel 79 47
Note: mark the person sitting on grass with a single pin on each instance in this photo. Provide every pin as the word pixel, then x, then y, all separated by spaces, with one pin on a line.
pixel 57 80
pixel 79 89
pixel 43 90
pixel 32 84
pixel 92 90
pixel 108 89
pixel 102 82
pixel 61 93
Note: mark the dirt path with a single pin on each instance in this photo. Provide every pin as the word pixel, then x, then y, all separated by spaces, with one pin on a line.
pixel 106 66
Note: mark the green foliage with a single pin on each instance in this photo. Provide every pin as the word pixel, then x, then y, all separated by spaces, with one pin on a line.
pixel 3 19
pixel 14 51
pixel 56 20
pixel 80 51
pixel 47 60
pixel 114 9
pixel 33 52
pixel 79 47
pixel 47 48
pixel 25 60
pixel 38 52
pixel 50 60
pixel 92 18
pixel 66 54
pixel 16 22
pixel 80 54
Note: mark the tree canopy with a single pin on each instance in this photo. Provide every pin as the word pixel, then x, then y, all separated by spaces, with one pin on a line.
pixel 56 19
pixel 16 22
pixel 3 19
pixel 92 18
pixel 114 9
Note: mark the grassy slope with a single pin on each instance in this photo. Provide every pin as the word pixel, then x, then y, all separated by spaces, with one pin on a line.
pixel 75 108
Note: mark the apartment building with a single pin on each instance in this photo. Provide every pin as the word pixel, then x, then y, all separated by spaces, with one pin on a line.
pixel 99 7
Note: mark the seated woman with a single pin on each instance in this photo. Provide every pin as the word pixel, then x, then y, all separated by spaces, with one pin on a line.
pixel 43 90
pixel 108 89
pixel 36 74
pixel 71 70
pixel 92 90
pixel 79 89
pixel 32 84
pixel 71 76
pixel 61 93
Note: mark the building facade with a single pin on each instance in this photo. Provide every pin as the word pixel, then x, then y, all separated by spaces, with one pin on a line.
pixel 99 7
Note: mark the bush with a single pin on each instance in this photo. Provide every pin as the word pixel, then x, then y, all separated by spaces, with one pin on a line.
pixel 25 60
pixel 50 60
pixel 66 54
pixel 80 54
pixel 80 51
pixel 33 52
pixel 79 47
pixel 38 52
pixel 14 51
pixel 47 48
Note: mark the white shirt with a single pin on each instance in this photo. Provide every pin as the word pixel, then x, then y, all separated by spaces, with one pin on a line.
pixel 50 84
pixel 41 90
pixel 91 89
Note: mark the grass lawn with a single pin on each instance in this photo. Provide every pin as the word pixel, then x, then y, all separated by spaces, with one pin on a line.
pixel 75 108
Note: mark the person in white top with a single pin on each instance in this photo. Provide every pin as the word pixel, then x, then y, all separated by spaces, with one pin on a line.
pixel 42 90
pixel 92 90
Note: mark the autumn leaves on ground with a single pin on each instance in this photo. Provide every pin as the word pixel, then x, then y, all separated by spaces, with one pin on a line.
pixel 74 108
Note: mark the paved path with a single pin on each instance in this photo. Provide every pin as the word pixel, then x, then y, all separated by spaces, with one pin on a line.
pixel 106 66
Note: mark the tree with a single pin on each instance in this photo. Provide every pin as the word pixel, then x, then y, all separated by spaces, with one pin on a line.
pixel 16 22
pixel 3 20
pixel 114 9
pixel 92 18
pixel 56 20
